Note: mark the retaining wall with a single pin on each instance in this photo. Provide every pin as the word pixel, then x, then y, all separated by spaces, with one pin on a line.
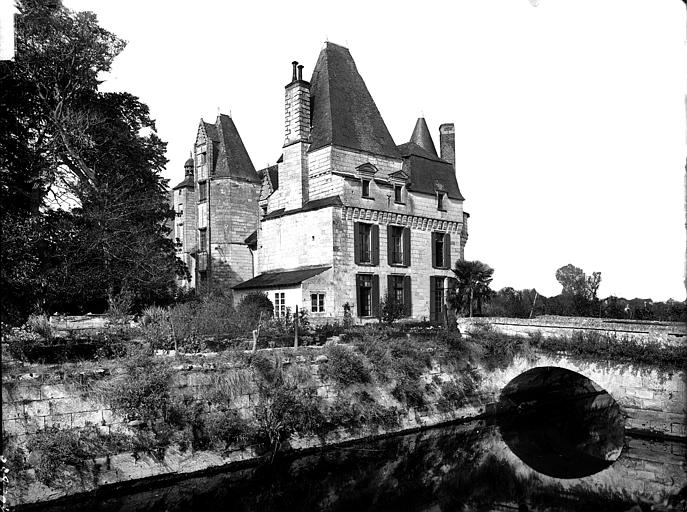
pixel 654 401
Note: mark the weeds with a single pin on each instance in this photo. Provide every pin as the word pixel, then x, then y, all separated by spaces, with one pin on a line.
pixel 344 367
pixel 54 450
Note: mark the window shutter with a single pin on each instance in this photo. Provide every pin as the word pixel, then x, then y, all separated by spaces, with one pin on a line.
pixel 356 243
pixel 407 297
pixel 389 286
pixel 375 295
pixel 406 247
pixel 434 249
pixel 447 251
pixel 375 244
pixel 432 292
pixel 358 283
pixel 389 244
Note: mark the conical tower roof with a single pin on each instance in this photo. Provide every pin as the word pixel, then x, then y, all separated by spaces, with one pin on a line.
pixel 343 111
pixel 423 138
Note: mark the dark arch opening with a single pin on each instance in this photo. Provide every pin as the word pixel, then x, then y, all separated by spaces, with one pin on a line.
pixel 561 423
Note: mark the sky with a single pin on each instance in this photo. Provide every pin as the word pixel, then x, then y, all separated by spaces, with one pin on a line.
pixel 569 114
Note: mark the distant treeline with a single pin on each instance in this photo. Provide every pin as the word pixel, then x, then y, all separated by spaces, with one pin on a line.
pixel 513 303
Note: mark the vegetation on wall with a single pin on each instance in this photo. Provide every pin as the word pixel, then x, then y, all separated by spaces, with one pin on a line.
pixel 379 373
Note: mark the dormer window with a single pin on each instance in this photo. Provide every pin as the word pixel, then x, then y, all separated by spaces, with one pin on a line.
pixel 398 194
pixel 366 188
pixel 441 196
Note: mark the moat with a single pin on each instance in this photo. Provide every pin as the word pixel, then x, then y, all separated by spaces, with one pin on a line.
pixel 570 456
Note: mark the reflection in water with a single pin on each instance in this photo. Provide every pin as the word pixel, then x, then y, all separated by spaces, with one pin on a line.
pixel 461 467
pixel 559 423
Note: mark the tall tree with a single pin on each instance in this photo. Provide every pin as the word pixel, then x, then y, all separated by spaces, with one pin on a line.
pixel 579 290
pixel 472 286
pixel 95 156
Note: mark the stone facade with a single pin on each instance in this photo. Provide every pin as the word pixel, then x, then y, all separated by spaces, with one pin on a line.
pixel 341 173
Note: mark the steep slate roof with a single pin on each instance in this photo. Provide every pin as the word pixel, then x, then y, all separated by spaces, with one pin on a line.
pixel 427 172
pixel 187 182
pixel 280 279
pixel 210 131
pixel 428 176
pixel 343 112
pixel 270 181
pixel 422 137
pixel 233 159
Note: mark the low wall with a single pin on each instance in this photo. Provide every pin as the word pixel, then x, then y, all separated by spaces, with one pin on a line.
pixel 666 333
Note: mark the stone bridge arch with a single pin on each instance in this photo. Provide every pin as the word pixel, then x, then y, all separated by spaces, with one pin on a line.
pixel 651 399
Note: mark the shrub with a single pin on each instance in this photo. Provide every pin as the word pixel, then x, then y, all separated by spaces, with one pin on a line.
pixel 154 315
pixel 345 367
pixel 40 324
pixel 358 411
pixel 144 392
pixel 392 309
pixel 409 391
pixel 119 306
pixel 283 411
pixel 55 449
pixel 21 342
pixel 254 306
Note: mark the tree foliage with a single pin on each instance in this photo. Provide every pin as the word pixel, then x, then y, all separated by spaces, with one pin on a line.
pixel 472 287
pixel 79 169
pixel 579 290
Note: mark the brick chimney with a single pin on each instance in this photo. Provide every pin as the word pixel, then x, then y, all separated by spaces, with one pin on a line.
pixel 293 172
pixel 447 143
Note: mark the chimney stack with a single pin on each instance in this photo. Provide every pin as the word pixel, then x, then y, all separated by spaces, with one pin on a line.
pixel 293 171
pixel 447 143
pixel 294 64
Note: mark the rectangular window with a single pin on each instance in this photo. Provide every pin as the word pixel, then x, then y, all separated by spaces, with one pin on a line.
pixel 398 194
pixel 396 241
pixel 366 243
pixel 437 298
pixel 279 304
pixel 317 302
pixel 439 250
pixel 396 288
pixel 366 188
pixel 203 240
pixel 180 210
pixel 202 191
pixel 365 231
pixel 440 201
pixel 365 294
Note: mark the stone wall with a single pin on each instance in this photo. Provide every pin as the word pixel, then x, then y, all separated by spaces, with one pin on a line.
pixel 41 399
pixel 297 240
pixel 666 333
pixel 654 402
